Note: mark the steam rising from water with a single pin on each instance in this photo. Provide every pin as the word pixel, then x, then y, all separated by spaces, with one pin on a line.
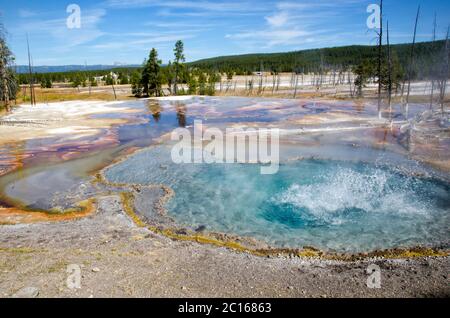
pixel 344 190
pixel 333 205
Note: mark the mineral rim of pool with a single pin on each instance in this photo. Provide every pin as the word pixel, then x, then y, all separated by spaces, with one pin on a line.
pixel 333 205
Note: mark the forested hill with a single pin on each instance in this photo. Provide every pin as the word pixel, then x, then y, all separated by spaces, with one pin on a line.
pixel 316 59
pixel 69 68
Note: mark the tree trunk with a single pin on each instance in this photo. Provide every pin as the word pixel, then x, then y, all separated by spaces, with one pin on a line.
pixel 389 74
pixel 380 53
pixel 6 94
pixel 445 71
pixel 411 61
pixel 432 75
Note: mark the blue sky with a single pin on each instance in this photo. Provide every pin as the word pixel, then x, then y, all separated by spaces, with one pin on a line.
pixel 123 31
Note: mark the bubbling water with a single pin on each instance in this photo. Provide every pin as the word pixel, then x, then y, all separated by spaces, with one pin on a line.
pixel 344 189
pixel 332 205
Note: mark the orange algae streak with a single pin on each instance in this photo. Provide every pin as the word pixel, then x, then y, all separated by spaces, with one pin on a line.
pixel 12 157
pixel 12 216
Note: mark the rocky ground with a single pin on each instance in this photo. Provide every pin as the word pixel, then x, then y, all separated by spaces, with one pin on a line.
pixel 119 259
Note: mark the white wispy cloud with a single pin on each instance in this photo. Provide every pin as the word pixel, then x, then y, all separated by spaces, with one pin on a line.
pixel 142 41
pixel 292 23
pixel 180 25
pixel 25 13
pixel 278 19
pixel 58 30
pixel 316 4
pixel 204 5
pixel 269 38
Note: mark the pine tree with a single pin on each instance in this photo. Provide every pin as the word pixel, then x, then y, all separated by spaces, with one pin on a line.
pixel 363 72
pixel 8 81
pixel 46 82
pixel 136 84
pixel 178 63
pixel 212 79
pixel 123 79
pixel 397 73
pixel 193 85
pixel 151 76
pixel 93 82
pixel 202 89
pixel 76 81
pixel 109 80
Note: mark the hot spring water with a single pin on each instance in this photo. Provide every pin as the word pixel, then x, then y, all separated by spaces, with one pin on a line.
pixel 333 205
pixel 343 205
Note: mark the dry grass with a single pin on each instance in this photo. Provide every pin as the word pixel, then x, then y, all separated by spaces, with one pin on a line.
pixel 105 93
pixel 288 93
pixel 63 94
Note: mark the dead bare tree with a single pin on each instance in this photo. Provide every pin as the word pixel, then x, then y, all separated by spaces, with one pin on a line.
pixel 34 91
pixel 432 75
pixel 350 83
pixel 114 90
pixel 321 80
pixel 278 82
pixel 295 85
pixel 380 54
pixel 89 80
pixel 250 86
pixel 444 72
pixel 261 68
pixel 274 76
pixel 389 72
pixel 33 100
pixel 411 64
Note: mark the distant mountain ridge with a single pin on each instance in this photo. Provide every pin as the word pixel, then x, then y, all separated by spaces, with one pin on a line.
pixel 71 68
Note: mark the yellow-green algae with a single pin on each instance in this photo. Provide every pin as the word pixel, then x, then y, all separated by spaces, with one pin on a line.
pixel 84 208
pixel 127 198
pixel 306 252
pixel 18 250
